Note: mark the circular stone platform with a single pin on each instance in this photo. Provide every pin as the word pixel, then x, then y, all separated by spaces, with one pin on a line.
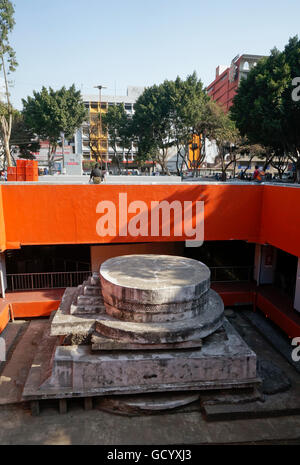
pixel 207 322
pixel 158 299
pixel 153 284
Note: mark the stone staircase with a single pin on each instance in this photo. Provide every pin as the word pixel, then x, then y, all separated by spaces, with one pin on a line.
pixel 88 297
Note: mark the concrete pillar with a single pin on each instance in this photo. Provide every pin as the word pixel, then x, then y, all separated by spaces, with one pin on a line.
pixel 297 289
pixel 3 281
pixel 257 260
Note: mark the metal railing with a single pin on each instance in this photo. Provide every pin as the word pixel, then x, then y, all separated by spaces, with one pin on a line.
pixel 52 280
pixel 231 273
pixel 62 279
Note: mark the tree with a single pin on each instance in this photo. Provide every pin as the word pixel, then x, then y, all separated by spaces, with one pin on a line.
pixel 227 138
pixel 50 113
pixel 251 151
pixel 264 109
pixel 166 116
pixel 189 102
pixel 23 138
pixel 8 64
pixel 153 123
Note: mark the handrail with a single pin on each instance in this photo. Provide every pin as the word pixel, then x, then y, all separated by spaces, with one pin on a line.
pixel 49 280
pixel 62 279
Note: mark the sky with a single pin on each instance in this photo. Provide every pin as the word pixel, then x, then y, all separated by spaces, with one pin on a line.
pixel 116 43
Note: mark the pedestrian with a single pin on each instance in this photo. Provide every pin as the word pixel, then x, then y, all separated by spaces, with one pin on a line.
pixel 96 174
pixel 2 175
pixel 257 175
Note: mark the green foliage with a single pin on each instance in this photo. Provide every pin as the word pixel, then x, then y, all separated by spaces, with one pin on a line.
pixel 8 64
pixel 23 138
pixel 7 23
pixel 263 107
pixel 166 115
pixel 49 113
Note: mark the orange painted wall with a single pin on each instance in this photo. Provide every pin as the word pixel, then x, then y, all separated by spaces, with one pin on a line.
pixel 4 315
pixel 63 214
pixel 100 253
pixel 2 224
pixel 280 218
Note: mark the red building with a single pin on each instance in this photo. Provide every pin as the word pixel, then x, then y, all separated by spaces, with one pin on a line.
pixel 223 88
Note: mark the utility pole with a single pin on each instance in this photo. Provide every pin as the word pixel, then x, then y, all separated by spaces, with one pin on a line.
pixel 101 87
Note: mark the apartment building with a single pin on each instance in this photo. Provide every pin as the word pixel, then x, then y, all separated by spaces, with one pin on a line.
pixel 92 142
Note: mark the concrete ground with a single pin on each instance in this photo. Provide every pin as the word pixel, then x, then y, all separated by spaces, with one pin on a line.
pixel 185 427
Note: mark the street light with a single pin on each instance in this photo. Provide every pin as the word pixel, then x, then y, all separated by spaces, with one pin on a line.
pixel 101 87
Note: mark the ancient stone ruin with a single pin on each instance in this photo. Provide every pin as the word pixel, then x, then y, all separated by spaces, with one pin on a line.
pixel 143 324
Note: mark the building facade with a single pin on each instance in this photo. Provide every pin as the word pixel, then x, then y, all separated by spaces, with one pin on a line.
pixel 92 142
pixel 223 89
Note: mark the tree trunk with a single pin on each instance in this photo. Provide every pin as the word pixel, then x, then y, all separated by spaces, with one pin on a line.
pixel 6 125
pixel 7 152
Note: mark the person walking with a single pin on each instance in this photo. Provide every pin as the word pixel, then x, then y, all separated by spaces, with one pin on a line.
pixel 96 174
pixel 258 174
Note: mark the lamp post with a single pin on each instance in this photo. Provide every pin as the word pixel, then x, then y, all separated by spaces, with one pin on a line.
pixel 101 87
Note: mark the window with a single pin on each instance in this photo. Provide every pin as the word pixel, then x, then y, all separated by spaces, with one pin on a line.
pixel 94 105
pixel 128 106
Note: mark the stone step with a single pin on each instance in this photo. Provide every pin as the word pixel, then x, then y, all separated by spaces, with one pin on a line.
pixel 92 290
pixel 95 279
pixel 87 309
pixel 83 300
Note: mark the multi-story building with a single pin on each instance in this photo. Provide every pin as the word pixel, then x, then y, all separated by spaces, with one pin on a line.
pixel 222 90
pixel 227 79
pixel 91 141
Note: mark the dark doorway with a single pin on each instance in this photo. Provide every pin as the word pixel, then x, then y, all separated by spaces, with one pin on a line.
pixel 285 272
pixel 228 260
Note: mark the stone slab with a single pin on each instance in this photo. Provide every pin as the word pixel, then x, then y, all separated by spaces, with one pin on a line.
pixel 224 362
pixel 208 321
pixel 221 412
